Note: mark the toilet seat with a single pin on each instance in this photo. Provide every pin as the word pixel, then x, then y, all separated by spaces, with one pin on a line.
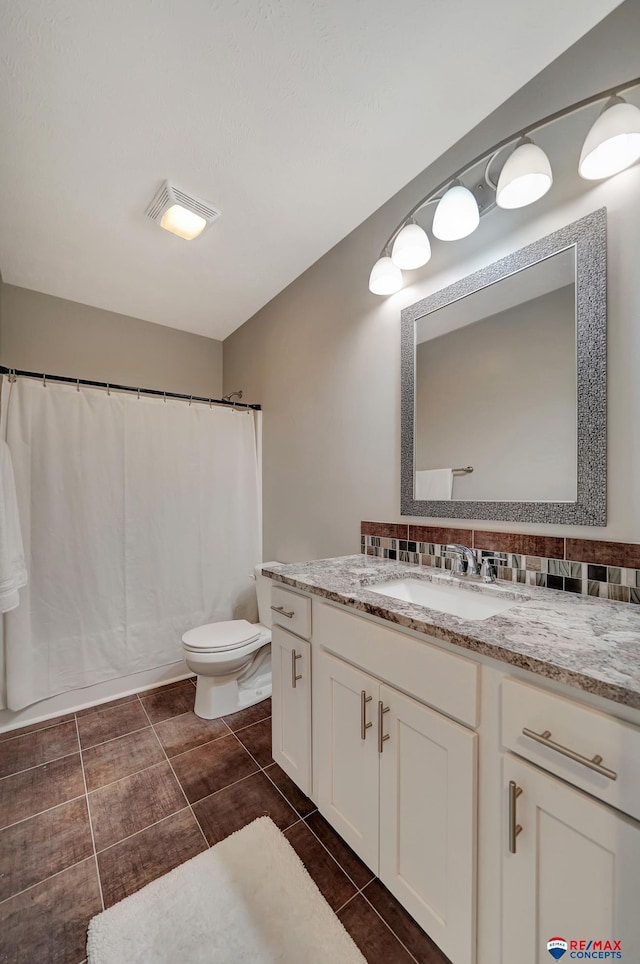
pixel 221 637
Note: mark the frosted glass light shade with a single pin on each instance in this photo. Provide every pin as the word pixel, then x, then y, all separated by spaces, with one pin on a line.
pixel 613 143
pixel 411 249
pixel 525 178
pixel 385 278
pixel 457 214
pixel 182 222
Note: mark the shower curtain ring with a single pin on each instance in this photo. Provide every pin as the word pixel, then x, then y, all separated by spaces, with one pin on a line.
pixel 210 403
pixel 190 400
pixel 138 394
pixel 77 384
pixel 108 391
pixel 12 375
pixel 164 397
pixel 44 381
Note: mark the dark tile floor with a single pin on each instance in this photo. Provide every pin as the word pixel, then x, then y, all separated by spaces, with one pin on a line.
pixel 96 804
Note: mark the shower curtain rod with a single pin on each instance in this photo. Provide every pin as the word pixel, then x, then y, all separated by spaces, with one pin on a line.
pixel 125 388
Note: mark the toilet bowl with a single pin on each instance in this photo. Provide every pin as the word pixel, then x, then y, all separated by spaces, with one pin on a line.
pixel 232 659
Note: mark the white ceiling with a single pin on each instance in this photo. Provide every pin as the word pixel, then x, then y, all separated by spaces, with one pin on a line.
pixel 298 118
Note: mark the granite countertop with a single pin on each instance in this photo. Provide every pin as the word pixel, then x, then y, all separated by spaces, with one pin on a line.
pixel 593 644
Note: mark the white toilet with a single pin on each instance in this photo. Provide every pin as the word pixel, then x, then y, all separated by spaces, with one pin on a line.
pixel 232 659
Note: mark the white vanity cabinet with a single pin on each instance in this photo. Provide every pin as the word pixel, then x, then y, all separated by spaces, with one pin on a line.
pixel 427 759
pixel 573 870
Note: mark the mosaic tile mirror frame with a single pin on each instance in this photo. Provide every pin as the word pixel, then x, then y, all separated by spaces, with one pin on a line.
pixel 587 237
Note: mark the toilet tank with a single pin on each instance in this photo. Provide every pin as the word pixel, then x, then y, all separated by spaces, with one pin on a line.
pixel 263 592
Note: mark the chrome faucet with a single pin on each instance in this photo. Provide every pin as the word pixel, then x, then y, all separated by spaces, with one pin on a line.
pixel 468 564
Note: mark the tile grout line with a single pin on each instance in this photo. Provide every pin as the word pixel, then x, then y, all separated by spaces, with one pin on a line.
pixel 130 836
pixel 40 813
pixel 86 800
pixel 342 906
pixel 261 768
pixel 389 927
pixel 175 777
pixel 36 765
pixel 41 729
pixel 284 797
pixel 112 738
pixel 335 859
pixel 44 880
pixel 134 773
pixel 248 725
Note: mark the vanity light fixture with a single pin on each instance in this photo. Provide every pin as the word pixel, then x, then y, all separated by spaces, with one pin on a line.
pixel 612 144
pixel 457 214
pixel 525 177
pixel 181 213
pixel 385 278
pixel 411 248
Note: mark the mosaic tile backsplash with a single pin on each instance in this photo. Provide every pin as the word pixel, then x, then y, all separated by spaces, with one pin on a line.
pixel 609 570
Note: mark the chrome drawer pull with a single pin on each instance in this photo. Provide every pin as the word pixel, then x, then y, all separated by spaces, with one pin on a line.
pixel 514 826
pixel 283 611
pixel 382 737
pixel 594 764
pixel 294 657
pixel 364 726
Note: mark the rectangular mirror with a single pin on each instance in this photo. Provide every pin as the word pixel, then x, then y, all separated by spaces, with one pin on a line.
pixel 504 387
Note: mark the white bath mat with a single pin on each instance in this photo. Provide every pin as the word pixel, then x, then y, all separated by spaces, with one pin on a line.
pixel 248 900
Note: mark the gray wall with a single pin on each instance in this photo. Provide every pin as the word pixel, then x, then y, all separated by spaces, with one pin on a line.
pixel 324 356
pixel 519 432
pixel 41 333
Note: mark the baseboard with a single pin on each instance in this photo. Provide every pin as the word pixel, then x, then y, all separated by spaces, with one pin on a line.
pixel 75 700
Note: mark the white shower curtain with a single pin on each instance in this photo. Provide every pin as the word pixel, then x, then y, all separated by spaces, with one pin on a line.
pixel 140 519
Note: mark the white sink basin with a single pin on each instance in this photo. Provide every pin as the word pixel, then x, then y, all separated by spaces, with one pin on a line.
pixel 445 597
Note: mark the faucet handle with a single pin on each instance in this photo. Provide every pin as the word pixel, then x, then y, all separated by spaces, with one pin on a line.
pixel 488 569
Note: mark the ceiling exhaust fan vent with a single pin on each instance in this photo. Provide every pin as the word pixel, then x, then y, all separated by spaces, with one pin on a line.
pixel 168 195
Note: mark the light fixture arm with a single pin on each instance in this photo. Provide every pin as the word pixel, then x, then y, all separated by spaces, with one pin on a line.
pixel 434 196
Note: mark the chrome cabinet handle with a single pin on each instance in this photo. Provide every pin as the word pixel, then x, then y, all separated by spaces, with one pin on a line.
pixel 364 726
pixel 595 763
pixel 283 611
pixel 382 737
pixel 514 826
pixel 294 658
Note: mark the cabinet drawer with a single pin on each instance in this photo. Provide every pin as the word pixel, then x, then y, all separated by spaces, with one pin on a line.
pixel 573 734
pixel 434 676
pixel 291 610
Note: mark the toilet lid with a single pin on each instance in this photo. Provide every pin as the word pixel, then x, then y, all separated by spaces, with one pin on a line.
pixel 220 637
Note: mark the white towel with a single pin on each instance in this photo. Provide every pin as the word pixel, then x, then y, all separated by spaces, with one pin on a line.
pixel 434 485
pixel 13 571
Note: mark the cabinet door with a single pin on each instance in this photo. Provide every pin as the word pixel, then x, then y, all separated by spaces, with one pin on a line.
pixel 428 821
pixel 291 713
pixel 574 874
pixel 347 756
